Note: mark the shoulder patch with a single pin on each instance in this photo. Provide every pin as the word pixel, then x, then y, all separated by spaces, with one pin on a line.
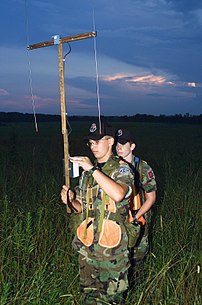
pixel 150 174
pixel 124 170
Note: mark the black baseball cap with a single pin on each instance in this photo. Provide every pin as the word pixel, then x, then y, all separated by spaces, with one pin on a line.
pixel 98 131
pixel 123 136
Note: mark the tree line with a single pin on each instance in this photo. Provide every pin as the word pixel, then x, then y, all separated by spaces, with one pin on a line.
pixel 14 117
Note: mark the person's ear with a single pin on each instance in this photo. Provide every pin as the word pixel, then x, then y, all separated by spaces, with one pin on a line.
pixel 111 141
pixel 132 146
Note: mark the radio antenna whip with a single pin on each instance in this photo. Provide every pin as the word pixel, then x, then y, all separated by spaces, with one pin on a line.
pixel 97 75
pixel 30 71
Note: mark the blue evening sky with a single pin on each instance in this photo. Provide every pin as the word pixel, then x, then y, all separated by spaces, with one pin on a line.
pixel 149 56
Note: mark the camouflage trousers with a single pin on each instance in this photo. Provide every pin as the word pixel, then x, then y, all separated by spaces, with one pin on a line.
pixel 137 255
pixel 104 281
pixel 142 245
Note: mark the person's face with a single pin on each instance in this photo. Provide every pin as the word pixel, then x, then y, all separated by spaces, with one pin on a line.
pixel 124 150
pixel 101 149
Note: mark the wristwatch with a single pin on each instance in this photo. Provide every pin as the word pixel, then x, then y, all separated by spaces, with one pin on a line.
pixel 91 171
pixel 135 221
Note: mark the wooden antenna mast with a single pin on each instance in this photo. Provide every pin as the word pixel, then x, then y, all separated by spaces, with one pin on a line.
pixel 59 41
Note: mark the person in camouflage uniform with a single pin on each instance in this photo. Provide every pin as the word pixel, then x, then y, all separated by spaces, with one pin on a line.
pixel 145 188
pixel 101 240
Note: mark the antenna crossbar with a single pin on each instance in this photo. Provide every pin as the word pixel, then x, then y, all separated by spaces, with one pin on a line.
pixel 61 40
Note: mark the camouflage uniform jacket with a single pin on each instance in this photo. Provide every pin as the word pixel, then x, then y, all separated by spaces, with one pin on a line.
pixel 144 179
pixel 120 173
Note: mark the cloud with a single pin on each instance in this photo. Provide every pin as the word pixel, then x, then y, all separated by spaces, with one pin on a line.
pixel 149 55
pixel 148 79
pixel 118 76
pixel 198 15
pixel 76 104
pixel 16 104
pixel 3 92
pixel 44 5
pixel 42 100
pixel 184 5
pixel 192 84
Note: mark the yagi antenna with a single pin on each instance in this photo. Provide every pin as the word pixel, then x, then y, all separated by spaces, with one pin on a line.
pixel 59 41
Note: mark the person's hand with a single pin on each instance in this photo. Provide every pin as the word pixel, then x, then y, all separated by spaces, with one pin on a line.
pixel 67 193
pixel 84 162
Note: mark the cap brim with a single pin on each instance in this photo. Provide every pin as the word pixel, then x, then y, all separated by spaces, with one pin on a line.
pixel 122 141
pixel 93 137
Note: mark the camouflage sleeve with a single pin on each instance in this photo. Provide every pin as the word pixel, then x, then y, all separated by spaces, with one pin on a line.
pixel 78 192
pixel 80 189
pixel 147 178
pixel 124 175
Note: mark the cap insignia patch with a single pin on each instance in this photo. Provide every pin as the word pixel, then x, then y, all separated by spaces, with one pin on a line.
pixel 93 127
pixel 119 133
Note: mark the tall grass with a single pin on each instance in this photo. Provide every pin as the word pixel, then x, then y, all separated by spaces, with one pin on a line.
pixel 172 266
pixel 38 265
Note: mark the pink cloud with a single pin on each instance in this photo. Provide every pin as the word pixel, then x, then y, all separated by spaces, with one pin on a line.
pixel 14 105
pixel 78 105
pixel 46 102
pixel 191 84
pixel 118 76
pixel 41 102
pixel 148 79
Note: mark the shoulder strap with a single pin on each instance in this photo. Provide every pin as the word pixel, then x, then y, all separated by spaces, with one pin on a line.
pixel 138 167
pixel 137 172
pixel 137 162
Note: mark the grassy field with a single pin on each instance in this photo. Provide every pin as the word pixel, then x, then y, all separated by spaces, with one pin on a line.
pixel 38 265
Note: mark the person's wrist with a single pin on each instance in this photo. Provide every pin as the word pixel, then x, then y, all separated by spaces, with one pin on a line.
pixel 92 169
pixel 135 221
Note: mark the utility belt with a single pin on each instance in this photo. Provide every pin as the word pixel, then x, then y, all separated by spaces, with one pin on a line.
pixel 108 215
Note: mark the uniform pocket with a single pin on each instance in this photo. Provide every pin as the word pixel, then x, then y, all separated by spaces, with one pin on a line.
pixel 110 235
pixel 85 232
pixel 133 233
